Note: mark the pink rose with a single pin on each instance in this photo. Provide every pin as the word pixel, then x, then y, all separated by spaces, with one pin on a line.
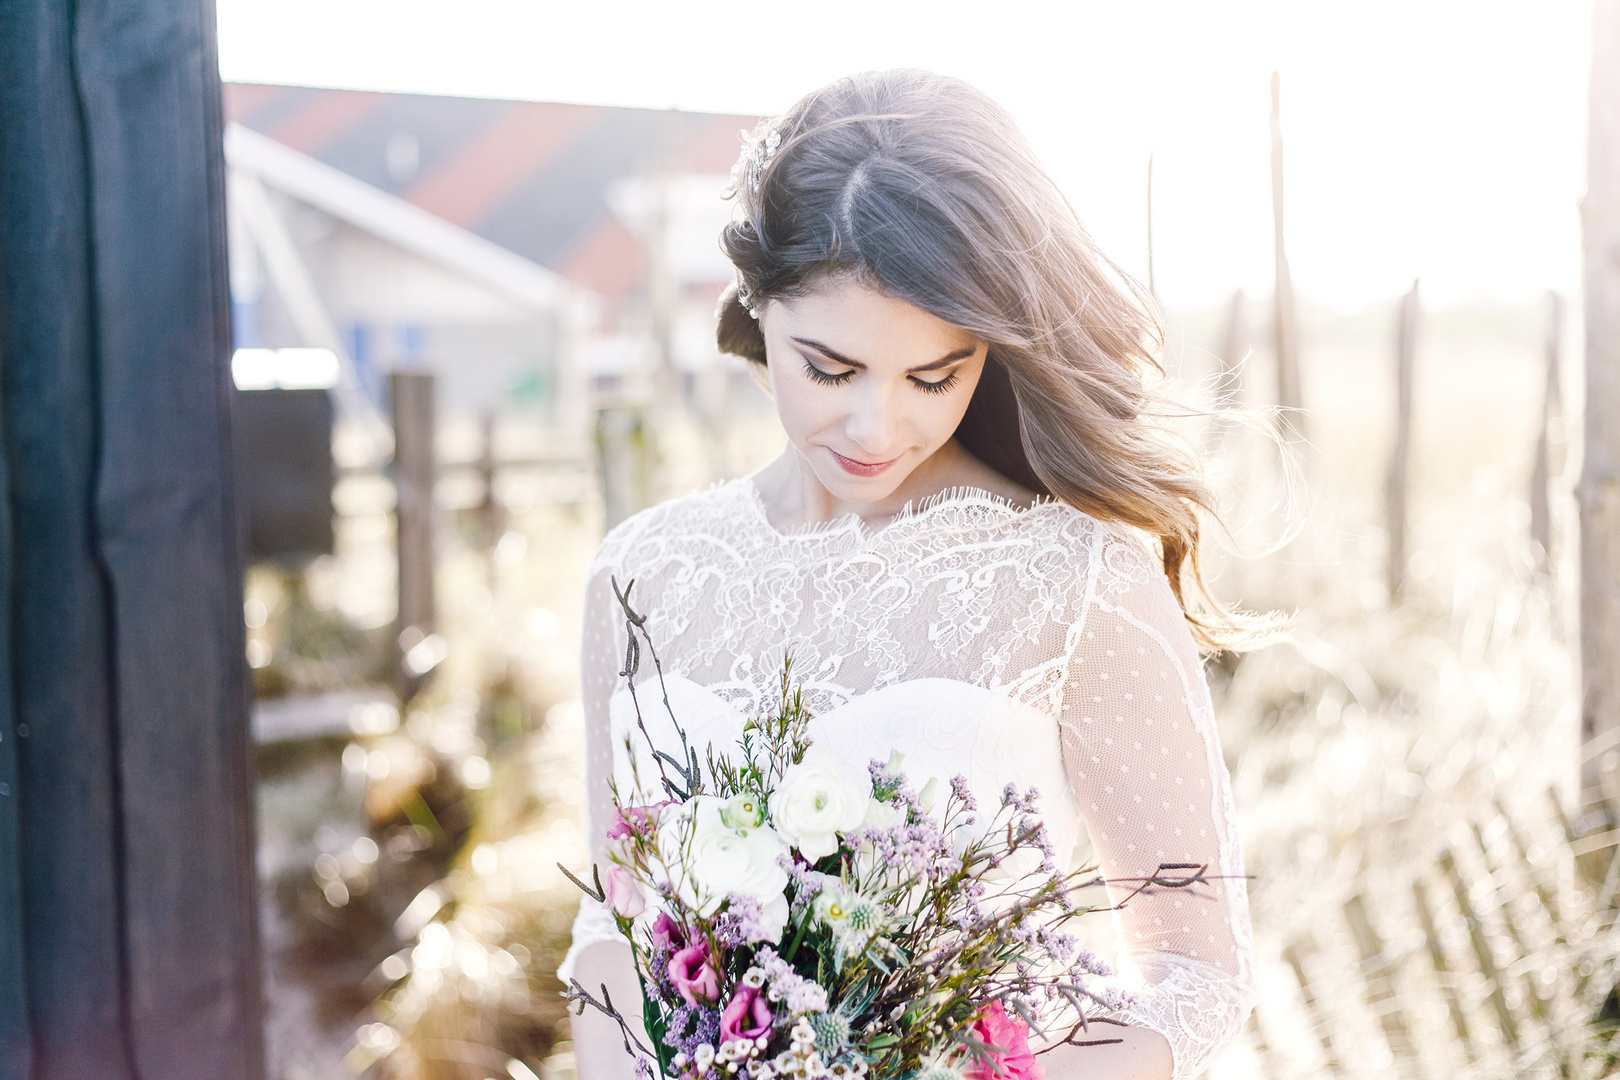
pixel 623 895
pixel 633 819
pixel 693 974
pixel 1010 1057
pixel 746 1016
pixel 667 933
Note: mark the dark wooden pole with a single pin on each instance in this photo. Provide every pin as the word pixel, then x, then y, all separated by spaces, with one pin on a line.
pixel 412 396
pixel 1290 398
pixel 1552 417
pixel 1397 487
pixel 128 935
pixel 1599 488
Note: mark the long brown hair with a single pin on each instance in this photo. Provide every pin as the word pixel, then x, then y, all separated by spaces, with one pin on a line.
pixel 922 186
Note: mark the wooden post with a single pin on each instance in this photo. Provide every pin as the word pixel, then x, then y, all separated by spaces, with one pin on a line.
pixel 1289 396
pixel 624 452
pixel 491 521
pixel 1381 997
pixel 1599 488
pixel 129 942
pixel 1234 347
pixel 1552 417
pixel 411 395
pixel 1228 374
pixel 1396 490
pixel 1153 285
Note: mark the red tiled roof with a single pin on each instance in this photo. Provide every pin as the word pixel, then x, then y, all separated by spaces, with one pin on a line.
pixel 495 161
pixel 323 119
pixel 529 176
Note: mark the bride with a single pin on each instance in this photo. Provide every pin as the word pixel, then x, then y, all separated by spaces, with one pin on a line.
pixel 977 547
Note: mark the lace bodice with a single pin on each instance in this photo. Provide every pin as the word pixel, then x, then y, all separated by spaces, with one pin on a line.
pixel 977 638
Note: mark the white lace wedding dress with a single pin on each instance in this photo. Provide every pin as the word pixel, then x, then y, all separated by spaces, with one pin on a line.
pixel 1033 645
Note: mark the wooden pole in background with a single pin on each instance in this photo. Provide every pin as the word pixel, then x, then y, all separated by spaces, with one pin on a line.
pixel 1289 396
pixel 1599 489
pixel 1552 415
pixel 1397 489
pixel 411 395
pixel 1228 374
pixel 1153 285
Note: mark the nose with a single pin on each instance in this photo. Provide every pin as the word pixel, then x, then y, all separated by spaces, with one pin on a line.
pixel 874 425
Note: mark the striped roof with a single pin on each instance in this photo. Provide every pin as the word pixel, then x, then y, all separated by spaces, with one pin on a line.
pixel 529 176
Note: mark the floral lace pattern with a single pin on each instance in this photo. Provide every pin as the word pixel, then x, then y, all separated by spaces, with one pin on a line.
pixel 1044 608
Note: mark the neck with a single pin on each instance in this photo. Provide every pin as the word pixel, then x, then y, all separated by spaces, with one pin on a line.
pixel 795 496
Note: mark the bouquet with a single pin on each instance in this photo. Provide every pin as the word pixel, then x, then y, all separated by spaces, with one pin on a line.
pixel 796 915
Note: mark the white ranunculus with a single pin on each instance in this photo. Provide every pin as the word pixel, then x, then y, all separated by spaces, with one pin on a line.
pixel 708 860
pixel 818 798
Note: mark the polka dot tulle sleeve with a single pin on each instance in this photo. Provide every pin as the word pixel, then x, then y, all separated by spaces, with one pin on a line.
pixel 1144 761
pixel 601 655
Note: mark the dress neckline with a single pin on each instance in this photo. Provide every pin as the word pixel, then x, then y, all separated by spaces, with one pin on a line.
pixel 852 524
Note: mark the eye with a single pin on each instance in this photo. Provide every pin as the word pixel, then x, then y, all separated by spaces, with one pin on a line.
pixel 826 378
pixel 942 386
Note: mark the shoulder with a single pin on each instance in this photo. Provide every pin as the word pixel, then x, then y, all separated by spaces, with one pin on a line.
pixel 643 535
pixel 1113 555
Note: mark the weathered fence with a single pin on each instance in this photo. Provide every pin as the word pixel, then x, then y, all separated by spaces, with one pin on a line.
pixel 1492 959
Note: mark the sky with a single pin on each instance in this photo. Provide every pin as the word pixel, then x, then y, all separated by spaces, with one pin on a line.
pixel 1441 141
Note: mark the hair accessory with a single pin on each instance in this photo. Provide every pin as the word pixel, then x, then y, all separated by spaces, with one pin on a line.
pixel 745 297
pixel 756 157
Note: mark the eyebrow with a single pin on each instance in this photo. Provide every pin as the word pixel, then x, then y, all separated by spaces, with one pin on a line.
pixel 949 358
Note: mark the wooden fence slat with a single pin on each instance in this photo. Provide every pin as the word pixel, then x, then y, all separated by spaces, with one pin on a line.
pixel 1483 956
pixel 1504 898
pixel 1442 967
pixel 1262 1049
pixel 1381 996
pixel 1294 954
pixel 1545 893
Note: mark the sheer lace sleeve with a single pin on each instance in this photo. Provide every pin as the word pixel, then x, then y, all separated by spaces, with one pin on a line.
pixel 1144 760
pixel 600 657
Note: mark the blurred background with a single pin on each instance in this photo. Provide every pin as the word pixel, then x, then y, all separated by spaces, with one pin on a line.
pixel 473 271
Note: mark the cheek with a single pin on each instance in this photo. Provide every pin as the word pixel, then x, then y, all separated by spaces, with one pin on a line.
pixel 940 417
pixel 804 409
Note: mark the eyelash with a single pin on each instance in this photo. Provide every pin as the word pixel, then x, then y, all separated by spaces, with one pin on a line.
pixel 827 379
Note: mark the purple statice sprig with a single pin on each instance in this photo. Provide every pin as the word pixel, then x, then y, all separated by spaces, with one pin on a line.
pixel 692 1026
pixel 797 994
pixel 741 923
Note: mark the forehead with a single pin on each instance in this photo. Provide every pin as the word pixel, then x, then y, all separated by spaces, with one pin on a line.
pixel 865 323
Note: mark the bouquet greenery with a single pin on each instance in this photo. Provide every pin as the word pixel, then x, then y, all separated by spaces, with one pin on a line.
pixel 796 915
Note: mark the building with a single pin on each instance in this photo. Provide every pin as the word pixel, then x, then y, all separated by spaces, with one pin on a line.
pixel 531 254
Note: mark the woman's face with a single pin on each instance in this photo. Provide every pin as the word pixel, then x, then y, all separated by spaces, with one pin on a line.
pixel 867 385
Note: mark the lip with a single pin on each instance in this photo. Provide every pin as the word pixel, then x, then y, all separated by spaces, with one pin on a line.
pixel 860 468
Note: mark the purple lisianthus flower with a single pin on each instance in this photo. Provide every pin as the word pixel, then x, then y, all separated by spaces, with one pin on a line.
pixel 746 1016
pixel 667 933
pixel 692 972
